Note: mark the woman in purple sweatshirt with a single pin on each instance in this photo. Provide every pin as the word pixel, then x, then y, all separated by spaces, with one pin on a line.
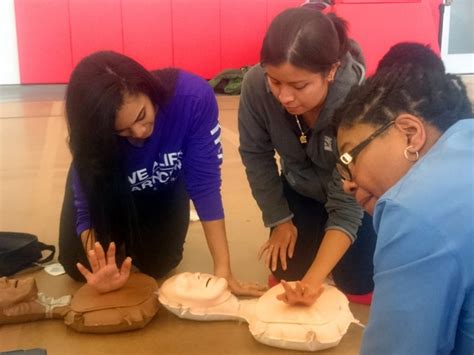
pixel 143 143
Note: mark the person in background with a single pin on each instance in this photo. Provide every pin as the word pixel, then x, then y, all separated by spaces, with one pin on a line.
pixel 320 5
pixel 307 66
pixel 142 144
pixel 406 139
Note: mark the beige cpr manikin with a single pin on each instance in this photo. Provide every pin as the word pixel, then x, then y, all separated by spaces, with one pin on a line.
pixel 205 297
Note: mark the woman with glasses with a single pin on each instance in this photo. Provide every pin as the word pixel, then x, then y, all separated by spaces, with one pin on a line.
pixel 407 143
pixel 142 144
pixel 307 67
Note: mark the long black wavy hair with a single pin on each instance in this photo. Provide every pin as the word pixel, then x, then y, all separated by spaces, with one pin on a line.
pixel 94 96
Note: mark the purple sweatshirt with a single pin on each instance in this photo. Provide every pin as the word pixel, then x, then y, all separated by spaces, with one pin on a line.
pixel 185 142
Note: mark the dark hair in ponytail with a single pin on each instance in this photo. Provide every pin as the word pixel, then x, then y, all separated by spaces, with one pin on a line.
pixel 94 96
pixel 305 38
pixel 341 27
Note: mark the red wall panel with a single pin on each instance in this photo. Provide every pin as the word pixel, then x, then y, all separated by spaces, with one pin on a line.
pixel 147 33
pixel 373 1
pixel 379 26
pixel 203 36
pixel 434 5
pixel 243 26
pixel 95 25
pixel 274 7
pixel 196 37
pixel 44 46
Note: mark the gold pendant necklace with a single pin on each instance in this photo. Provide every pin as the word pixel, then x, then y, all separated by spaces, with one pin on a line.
pixel 303 137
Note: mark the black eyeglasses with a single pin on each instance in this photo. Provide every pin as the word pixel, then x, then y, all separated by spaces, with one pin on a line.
pixel 342 164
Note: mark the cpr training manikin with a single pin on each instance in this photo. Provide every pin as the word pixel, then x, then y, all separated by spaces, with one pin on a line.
pixel 205 297
pixel 197 296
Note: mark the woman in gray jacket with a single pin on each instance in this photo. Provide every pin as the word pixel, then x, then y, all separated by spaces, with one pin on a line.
pixel 308 64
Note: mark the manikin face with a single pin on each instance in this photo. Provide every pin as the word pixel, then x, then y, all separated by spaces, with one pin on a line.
pixel 195 290
pixel 297 89
pixel 377 167
pixel 14 291
pixel 136 118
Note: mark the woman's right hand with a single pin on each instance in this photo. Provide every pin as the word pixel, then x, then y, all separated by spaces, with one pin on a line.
pixel 304 294
pixel 281 243
pixel 105 275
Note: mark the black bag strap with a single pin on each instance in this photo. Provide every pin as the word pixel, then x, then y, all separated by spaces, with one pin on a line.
pixel 48 258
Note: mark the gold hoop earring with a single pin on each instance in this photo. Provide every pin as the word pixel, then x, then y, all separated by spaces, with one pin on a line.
pixel 414 155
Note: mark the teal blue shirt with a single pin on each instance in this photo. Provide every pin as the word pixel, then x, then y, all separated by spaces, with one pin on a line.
pixel 424 259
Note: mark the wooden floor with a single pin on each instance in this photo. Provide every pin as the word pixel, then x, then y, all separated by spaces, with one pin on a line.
pixel 34 159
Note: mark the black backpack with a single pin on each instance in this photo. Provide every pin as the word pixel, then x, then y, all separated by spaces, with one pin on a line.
pixel 19 251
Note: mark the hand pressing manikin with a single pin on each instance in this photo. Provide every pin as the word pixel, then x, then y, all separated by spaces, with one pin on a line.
pixel 105 275
pixel 299 294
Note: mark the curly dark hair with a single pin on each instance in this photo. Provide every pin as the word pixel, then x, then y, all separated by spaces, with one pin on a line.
pixel 411 53
pixel 406 86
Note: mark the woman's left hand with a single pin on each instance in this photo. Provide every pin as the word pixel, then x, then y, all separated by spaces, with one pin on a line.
pixel 238 288
pixel 301 294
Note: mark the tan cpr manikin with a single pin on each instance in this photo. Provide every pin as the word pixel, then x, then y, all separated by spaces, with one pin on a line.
pixel 20 302
pixel 187 295
pixel 131 307
pixel 205 297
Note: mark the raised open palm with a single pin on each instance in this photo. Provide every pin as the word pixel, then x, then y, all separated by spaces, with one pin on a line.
pixel 105 275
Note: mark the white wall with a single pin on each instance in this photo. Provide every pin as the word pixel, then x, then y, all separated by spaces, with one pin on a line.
pixel 457 41
pixel 9 68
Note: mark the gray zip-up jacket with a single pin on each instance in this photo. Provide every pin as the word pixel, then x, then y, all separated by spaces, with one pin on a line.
pixel 265 128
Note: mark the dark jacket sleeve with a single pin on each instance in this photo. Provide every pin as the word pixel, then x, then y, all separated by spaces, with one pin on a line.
pixel 344 213
pixel 258 154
